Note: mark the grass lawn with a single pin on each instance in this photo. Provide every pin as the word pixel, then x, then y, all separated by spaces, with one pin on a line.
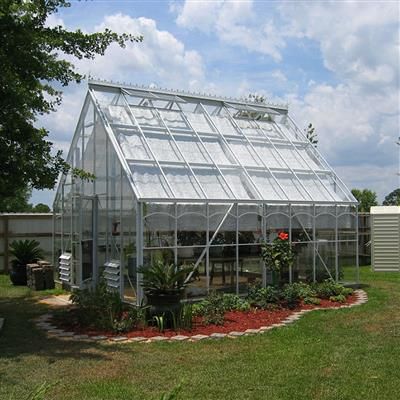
pixel 332 354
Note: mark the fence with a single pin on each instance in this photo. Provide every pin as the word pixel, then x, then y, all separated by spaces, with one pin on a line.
pixel 24 226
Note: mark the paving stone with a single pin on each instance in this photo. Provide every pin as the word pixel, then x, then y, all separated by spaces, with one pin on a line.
pixel 217 335
pixel 278 325
pixel 100 337
pixel 66 334
pixel 179 338
pixel 251 331
pixel 1 323
pixel 81 337
pixel 236 334
pixel 200 337
pixel 158 338
pixel 137 339
pixel 55 331
pixel 266 328
pixel 119 339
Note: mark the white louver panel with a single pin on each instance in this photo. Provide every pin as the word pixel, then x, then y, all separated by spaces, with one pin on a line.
pixel 65 267
pixel 112 274
pixel 385 238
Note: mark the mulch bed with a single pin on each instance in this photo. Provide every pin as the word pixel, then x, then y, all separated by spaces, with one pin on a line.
pixel 237 321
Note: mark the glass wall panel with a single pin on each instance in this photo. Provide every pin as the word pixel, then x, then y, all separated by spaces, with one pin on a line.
pixel 303 262
pixel 250 267
pixel 222 261
pixel 325 261
pixel 198 284
pixel 192 225
pixel 159 225
pixel 276 220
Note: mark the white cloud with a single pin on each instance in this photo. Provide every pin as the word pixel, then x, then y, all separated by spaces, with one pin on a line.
pixel 234 23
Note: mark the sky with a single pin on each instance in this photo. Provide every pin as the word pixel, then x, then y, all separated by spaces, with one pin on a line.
pixel 335 63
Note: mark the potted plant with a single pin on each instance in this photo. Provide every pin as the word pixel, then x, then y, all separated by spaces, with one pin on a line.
pixel 164 285
pixel 25 252
pixel 278 256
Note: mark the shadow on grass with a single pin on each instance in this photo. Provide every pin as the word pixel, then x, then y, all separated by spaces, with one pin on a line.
pixel 21 337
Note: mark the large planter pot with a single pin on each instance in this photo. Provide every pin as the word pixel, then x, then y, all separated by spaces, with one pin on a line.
pixel 166 304
pixel 18 275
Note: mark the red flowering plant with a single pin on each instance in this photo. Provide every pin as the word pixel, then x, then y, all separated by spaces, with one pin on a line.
pixel 278 255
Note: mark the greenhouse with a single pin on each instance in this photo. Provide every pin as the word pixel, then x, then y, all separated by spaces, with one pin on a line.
pixel 196 179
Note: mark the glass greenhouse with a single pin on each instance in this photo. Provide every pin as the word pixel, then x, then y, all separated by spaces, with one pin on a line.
pixel 194 179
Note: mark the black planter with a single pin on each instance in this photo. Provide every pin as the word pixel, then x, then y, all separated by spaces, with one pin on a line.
pixel 18 275
pixel 165 304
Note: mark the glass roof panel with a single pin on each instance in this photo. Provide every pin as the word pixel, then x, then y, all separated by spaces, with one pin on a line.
pixel 118 115
pixel 292 187
pixel 133 145
pixel 224 126
pixel 269 130
pixel 199 123
pixel 269 155
pixel 192 149
pixel 149 181
pixel 216 151
pixel 266 185
pixel 173 119
pixel 213 183
pixel 249 128
pixel 244 153
pixel 163 147
pixel 183 182
pixel 238 183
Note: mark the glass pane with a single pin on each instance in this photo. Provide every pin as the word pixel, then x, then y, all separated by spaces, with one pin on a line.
pixel 133 145
pixel 192 149
pixel 173 119
pixel 238 183
pixel 224 126
pixel 183 183
pixel 268 130
pixel 145 117
pixel 118 115
pixel 250 267
pixel 217 152
pixel 149 181
pixel 212 183
pixel 266 185
pixel 198 285
pixel 199 123
pixel 244 153
pixel 222 268
pixel 270 156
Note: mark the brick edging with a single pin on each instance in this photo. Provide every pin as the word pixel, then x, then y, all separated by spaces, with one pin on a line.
pixel 52 331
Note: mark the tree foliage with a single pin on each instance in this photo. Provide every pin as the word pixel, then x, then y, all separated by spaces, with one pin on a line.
pixel 311 134
pixel 32 71
pixel 393 198
pixel 367 199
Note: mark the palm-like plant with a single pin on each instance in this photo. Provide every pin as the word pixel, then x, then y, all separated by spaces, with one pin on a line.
pixel 25 251
pixel 164 279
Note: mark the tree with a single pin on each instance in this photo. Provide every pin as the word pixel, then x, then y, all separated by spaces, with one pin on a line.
pixel 41 208
pixel 31 67
pixel 393 198
pixel 17 203
pixel 311 134
pixel 367 198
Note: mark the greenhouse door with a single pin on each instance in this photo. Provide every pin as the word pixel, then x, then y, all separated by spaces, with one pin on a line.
pixel 89 239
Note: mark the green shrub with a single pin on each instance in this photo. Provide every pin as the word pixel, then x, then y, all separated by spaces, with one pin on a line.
pixel 340 298
pixel 131 318
pixel 211 309
pixel 98 307
pixel 312 300
pixel 232 302
pixel 290 295
pixel 304 290
pixel 264 297
pixel 329 288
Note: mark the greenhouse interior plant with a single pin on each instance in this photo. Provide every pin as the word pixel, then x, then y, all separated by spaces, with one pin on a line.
pixel 24 252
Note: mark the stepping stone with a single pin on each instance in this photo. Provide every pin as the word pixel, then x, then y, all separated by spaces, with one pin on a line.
pixel 179 338
pixel 266 328
pixel 236 334
pixel 81 337
pixel 100 337
pixel 218 335
pixel 200 337
pixel 137 339
pixel 66 334
pixel 119 339
pixel 55 331
pixel 158 338
pixel 1 323
pixel 251 331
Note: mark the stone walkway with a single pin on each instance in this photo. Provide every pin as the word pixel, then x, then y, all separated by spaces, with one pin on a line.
pixel 56 301
pixel 43 322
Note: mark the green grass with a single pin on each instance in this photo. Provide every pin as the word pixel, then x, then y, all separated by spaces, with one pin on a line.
pixel 332 354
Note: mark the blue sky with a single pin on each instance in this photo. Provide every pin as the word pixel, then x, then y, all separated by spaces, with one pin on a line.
pixel 335 63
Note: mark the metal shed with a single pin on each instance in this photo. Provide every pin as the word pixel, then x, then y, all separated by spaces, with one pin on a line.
pixel 385 242
pixel 197 179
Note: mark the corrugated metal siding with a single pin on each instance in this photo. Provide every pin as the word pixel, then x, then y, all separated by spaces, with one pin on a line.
pixel 386 242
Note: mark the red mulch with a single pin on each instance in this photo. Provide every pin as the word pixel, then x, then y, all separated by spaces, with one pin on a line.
pixel 234 321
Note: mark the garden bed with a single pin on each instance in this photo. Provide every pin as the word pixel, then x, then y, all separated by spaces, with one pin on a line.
pixel 234 321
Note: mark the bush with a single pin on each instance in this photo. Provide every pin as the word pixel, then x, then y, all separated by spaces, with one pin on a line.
pixel 232 302
pixel 264 297
pixel 129 319
pixel 329 288
pixel 312 300
pixel 97 307
pixel 290 295
pixel 211 309
pixel 340 298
